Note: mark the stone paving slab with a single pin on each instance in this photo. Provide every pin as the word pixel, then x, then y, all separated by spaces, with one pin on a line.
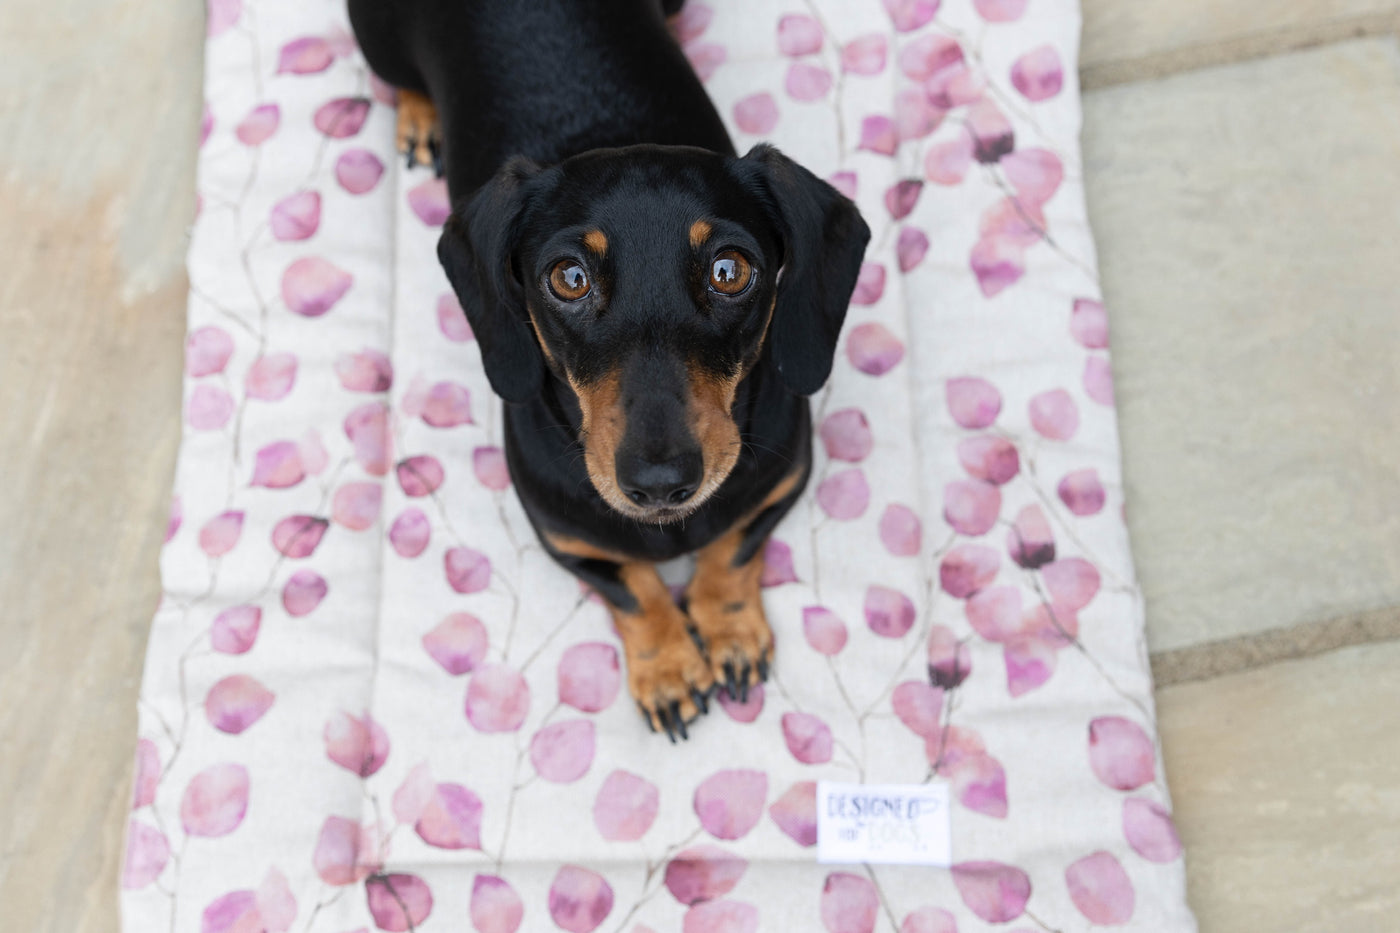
pixel 1286 782
pixel 1149 38
pixel 1247 223
pixel 100 111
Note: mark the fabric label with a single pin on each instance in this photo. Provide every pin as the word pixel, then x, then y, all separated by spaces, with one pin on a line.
pixel 889 824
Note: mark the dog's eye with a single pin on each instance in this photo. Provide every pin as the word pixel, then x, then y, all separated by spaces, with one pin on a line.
pixel 569 280
pixel 730 273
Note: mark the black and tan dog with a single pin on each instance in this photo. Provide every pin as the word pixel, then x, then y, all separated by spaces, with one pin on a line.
pixel 652 309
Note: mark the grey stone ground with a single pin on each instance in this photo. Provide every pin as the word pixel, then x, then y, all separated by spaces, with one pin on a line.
pixel 1243 171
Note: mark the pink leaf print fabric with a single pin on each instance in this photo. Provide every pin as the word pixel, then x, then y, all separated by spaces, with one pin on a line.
pixel 372 702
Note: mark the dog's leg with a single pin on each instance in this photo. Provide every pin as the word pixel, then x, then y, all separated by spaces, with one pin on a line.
pixel 668 677
pixel 666 673
pixel 724 598
pixel 419 133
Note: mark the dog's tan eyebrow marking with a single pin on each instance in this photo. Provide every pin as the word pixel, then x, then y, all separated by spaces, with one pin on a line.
pixel 700 232
pixel 597 241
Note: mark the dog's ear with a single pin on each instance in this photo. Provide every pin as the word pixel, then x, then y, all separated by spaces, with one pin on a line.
pixel 475 251
pixel 824 241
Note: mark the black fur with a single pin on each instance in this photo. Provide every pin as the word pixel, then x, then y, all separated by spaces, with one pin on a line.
pixel 561 119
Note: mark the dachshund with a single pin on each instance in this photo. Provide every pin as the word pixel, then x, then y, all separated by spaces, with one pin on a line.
pixel 652 309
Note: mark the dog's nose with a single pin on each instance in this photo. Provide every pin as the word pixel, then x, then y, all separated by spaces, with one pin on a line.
pixel 660 484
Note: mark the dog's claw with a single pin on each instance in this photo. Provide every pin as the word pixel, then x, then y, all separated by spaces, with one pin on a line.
pixel 435 151
pixel 744 684
pixel 678 719
pixel 730 678
pixel 702 703
pixel 763 670
pixel 666 724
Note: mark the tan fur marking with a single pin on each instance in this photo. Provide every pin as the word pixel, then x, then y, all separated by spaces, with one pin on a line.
pixel 709 412
pixel 700 232
pixel 726 606
pixel 539 339
pixel 604 423
pixel 577 547
pixel 663 664
pixel 726 602
pixel 417 124
pixel 597 241
pixel 778 493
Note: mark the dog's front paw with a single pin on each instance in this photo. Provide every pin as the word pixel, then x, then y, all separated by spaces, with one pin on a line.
pixel 738 642
pixel 671 683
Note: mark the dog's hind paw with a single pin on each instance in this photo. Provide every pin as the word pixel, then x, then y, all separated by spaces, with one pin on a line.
pixel 419 133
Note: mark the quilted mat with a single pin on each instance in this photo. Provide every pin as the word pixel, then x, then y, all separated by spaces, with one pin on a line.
pixel 371 701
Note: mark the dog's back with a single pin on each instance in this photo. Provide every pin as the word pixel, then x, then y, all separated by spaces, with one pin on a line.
pixel 540 78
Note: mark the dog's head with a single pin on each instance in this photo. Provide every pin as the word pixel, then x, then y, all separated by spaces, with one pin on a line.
pixel 652 280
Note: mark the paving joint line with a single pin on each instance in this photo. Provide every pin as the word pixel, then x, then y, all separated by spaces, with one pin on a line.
pixel 1297 642
pixel 1237 50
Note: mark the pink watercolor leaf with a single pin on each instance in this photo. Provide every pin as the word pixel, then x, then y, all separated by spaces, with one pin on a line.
pixel 303 592
pixel 808 738
pixel 458 643
pixel 297 536
pixel 992 890
pixel 971 507
pixel 420 475
pixel 495 907
pixel 451 819
pixel 356 505
pixel 919 706
pixel 398 903
pixel 296 217
pixel 342 117
pixel 1121 753
pixel 888 612
pixel 703 873
pixel 824 630
pixel 221 533
pixel 147 853
pixel 1149 829
pixel 271 377
pixel 147 777
pixel 563 751
pixel 236 702
pixel 625 807
pixel 468 570
pixel 795 813
pixel 589 676
pixel 258 126
pixel 849 904
pixel 358 170
pixel 968 568
pixel 498 699
pixel 356 743
pixel 215 800
pixel 579 899
pixel 278 466
pixel 844 495
pixel 410 533
pixel 304 56
pixel 873 349
pixel 1038 74
pixel 972 402
pixel 729 803
pixel 311 285
pixel 414 793
pixel 1101 889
